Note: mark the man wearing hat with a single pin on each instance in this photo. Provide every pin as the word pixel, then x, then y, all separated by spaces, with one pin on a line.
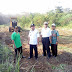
pixel 46 37
pixel 54 38
pixel 33 41
pixel 15 37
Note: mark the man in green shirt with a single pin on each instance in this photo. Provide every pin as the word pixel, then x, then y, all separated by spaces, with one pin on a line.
pixel 17 45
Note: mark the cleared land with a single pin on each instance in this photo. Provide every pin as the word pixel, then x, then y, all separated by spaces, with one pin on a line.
pixel 62 63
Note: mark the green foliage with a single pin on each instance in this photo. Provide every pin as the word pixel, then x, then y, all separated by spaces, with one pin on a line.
pixel 57 16
pixel 6 60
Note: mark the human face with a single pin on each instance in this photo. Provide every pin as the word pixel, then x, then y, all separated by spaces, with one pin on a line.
pixel 16 29
pixel 46 25
pixel 33 27
pixel 53 27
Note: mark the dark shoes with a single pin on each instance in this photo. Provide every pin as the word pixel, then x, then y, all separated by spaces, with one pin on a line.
pixel 23 57
pixel 36 58
pixel 43 55
pixel 32 57
pixel 55 56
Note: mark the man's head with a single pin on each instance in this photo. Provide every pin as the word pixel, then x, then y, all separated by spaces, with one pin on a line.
pixel 45 24
pixel 32 26
pixel 53 26
pixel 16 28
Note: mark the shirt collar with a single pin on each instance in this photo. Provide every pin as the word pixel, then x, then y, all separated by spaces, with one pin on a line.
pixel 45 28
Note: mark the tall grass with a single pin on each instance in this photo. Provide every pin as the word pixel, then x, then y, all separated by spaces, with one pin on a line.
pixel 7 60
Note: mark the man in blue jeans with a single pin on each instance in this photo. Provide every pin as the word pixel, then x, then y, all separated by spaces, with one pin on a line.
pixel 46 37
pixel 33 41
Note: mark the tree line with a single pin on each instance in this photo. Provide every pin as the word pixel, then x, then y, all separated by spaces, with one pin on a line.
pixel 59 16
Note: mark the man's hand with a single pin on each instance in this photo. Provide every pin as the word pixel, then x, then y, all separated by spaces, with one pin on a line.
pixel 56 43
pixel 38 43
pixel 50 39
pixel 14 44
pixel 14 47
pixel 28 43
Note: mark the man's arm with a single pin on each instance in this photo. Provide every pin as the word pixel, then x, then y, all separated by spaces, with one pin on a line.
pixel 57 37
pixel 12 38
pixel 38 35
pixel 13 44
pixel 57 40
pixel 50 39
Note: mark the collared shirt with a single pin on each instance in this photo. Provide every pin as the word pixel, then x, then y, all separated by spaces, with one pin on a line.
pixel 46 32
pixel 55 33
pixel 33 36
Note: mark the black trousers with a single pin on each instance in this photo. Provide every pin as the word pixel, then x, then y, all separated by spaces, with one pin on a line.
pixel 31 51
pixel 54 49
pixel 46 43
pixel 18 50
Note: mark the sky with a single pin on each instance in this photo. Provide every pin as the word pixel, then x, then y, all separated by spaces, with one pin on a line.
pixel 40 6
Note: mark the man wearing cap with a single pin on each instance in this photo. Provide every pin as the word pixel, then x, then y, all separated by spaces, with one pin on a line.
pixel 17 42
pixel 33 41
pixel 46 37
pixel 54 38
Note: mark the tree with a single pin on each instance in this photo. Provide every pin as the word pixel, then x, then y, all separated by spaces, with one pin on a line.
pixel 59 9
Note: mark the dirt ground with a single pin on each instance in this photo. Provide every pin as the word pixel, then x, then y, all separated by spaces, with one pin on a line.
pixel 62 63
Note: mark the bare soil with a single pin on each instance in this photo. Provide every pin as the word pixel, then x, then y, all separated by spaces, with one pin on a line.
pixel 62 63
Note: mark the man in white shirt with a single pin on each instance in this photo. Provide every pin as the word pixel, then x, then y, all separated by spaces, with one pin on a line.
pixel 46 39
pixel 33 40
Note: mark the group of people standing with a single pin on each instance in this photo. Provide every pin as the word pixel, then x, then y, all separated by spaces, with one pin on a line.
pixel 48 38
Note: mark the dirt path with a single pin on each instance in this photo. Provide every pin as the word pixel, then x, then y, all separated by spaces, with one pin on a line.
pixel 62 63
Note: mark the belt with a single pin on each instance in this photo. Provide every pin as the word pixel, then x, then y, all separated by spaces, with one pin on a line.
pixel 45 37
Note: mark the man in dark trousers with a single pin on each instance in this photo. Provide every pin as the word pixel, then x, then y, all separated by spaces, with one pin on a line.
pixel 33 41
pixel 17 45
pixel 54 38
pixel 46 37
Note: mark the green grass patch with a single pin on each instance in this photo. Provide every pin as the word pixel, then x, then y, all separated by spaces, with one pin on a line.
pixel 7 60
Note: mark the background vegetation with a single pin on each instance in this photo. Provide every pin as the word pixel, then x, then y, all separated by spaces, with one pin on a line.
pixel 59 16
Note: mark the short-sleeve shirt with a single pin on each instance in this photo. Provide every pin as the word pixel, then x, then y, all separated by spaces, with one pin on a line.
pixel 46 32
pixel 16 37
pixel 33 36
pixel 55 33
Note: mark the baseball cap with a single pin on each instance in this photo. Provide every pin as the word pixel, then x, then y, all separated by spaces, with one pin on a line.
pixel 45 23
pixel 32 25
pixel 53 24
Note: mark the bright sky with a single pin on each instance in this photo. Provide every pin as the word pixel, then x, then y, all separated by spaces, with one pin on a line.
pixel 41 6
